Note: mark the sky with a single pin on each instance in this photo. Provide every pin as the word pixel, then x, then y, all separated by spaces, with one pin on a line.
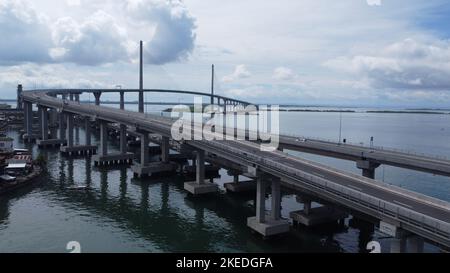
pixel 368 53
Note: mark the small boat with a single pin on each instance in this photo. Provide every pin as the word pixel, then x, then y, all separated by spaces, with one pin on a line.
pixel 9 183
pixel 78 188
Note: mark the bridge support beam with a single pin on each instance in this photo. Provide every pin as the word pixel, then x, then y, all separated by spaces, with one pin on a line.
pixel 44 123
pixel 200 186
pixel 87 130
pixel 53 124
pixel 165 145
pixel 69 129
pixel 145 168
pixel 398 243
pixel 239 186
pixel 49 121
pixel 415 244
pixel 141 78
pixel 19 97
pixel 315 216
pixel 122 100
pixel 272 225
pixel 368 168
pixel 28 136
pixel 123 139
pixel 70 148
pixel 40 110
pixel 103 158
pixel 97 96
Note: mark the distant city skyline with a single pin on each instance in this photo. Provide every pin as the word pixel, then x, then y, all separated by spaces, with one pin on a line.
pixel 349 53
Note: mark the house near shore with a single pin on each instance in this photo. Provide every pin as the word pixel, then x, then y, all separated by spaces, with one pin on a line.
pixel 6 144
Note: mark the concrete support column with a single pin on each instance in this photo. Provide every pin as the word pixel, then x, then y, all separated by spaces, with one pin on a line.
pixel 307 207
pixel 62 126
pixel 368 168
pixel 236 178
pixel 44 123
pixel 165 149
pixel 123 139
pixel 19 97
pixel 29 118
pixel 103 138
pixel 260 199
pixel 25 115
pixel 416 244
pixel 144 149
pixel 70 124
pixel 40 119
pixel 97 96
pixel 398 243
pixel 122 100
pixel 53 123
pixel 87 129
pixel 141 80
pixel 200 167
pixel 71 96
pixel 276 200
pixel 77 98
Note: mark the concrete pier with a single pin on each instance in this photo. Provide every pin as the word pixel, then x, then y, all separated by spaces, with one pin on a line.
pixel 28 120
pixel 368 168
pixel 53 123
pixel 165 146
pixel 39 112
pixel 240 186
pixel 272 225
pixel 53 140
pixel 200 186
pixel 316 216
pixel 51 143
pixel 398 243
pixel 43 122
pixel 309 216
pixel 415 244
pixel 144 167
pixel 62 126
pixel 103 158
pixel 141 78
pixel 97 96
pixel 123 139
pixel 69 129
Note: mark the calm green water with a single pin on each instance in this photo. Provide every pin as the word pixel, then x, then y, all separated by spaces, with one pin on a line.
pixel 121 214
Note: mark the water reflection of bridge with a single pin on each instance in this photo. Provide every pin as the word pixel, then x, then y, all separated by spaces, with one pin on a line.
pixel 167 227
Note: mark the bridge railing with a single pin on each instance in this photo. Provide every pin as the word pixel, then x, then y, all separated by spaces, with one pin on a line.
pixel 373 147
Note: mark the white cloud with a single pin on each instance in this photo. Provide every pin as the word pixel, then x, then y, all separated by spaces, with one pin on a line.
pixel 283 74
pixel 174 35
pixel 240 72
pixel 24 34
pixel 374 2
pixel 408 64
pixel 73 3
pixel 45 76
pixel 95 41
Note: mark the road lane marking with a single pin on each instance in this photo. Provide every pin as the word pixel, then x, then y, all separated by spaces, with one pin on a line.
pixel 355 188
pixel 318 174
pixel 403 204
